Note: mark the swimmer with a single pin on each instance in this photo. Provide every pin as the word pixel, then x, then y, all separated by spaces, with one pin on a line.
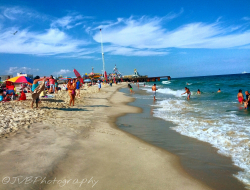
pixel 219 90
pixel 187 92
pixel 198 91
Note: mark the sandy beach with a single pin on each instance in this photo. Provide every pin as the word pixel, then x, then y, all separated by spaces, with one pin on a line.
pixel 80 147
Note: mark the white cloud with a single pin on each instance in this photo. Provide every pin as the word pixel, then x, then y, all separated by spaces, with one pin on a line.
pixel 67 22
pixel 50 42
pixel 62 72
pixel 12 12
pixel 118 50
pixel 133 36
pixel 21 14
pixel 246 18
pixel 14 70
pixel 149 33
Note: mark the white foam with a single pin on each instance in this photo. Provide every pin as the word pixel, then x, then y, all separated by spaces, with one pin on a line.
pixel 176 93
pixel 227 132
pixel 165 82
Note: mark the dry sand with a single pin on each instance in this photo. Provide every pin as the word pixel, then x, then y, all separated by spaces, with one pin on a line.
pixel 81 148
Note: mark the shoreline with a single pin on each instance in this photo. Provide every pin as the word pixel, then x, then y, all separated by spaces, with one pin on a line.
pixel 198 158
pixel 90 145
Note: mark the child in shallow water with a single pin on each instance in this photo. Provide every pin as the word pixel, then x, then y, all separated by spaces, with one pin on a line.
pixel 245 104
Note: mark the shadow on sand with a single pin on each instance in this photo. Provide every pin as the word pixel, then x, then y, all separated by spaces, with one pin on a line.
pixel 97 106
pixel 66 109
pixel 51 100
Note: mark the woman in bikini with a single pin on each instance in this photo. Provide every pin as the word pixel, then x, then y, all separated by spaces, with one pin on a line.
pixel 72 91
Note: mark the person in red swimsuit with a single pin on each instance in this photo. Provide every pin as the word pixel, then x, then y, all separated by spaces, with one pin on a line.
pixel 240 97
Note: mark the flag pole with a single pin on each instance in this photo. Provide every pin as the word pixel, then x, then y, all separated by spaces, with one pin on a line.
pixel 103 71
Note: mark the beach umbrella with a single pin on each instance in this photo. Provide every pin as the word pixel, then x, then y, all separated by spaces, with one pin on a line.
pixel 77 73
pixel 105 75
pixel 21 79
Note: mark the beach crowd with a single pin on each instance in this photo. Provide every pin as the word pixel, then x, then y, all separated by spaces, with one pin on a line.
pixel 42 87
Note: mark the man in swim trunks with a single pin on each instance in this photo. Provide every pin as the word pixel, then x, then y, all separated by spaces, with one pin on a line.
pixel 187 92
pixel 154 90
pixel 240 97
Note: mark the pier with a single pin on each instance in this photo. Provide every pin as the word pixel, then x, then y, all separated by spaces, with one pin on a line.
pixel 142 79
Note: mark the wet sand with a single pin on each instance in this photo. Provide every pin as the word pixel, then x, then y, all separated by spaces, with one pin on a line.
pixel 85 150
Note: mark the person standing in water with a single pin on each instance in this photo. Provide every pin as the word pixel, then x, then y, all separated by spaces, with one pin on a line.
pixel 219 90
pixel 247 101
pixel 130 88
pixel 240 97
pixel 187 92
pixel 198 91
pixel 154 90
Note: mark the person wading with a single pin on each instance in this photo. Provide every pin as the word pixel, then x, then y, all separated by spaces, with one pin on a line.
pixel 154 91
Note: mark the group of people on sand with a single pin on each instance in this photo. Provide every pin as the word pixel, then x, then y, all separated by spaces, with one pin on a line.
pixel 241 99
pixel 40 84
pixel 51 85
pixel 9 92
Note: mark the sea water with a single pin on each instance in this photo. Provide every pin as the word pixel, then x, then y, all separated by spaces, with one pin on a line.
pixel 216 118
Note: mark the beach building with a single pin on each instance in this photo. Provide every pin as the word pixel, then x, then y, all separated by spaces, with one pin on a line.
pixel 26 75
pixel 5 77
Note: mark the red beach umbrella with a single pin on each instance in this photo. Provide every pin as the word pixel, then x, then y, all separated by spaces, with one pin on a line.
pixel 77 73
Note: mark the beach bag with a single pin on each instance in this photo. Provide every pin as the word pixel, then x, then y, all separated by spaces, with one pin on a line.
pixel 22 96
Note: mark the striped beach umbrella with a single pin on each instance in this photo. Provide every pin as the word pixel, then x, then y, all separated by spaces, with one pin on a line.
pixel 21 79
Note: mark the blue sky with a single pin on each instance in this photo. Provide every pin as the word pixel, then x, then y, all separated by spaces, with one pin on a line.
pixel 178 38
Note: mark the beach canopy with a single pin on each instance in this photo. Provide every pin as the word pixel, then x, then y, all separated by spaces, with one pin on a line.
pixel 69 78
pixel 87 80
pixel 21 79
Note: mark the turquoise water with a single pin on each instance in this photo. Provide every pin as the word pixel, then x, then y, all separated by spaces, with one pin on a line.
pixel 216 118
